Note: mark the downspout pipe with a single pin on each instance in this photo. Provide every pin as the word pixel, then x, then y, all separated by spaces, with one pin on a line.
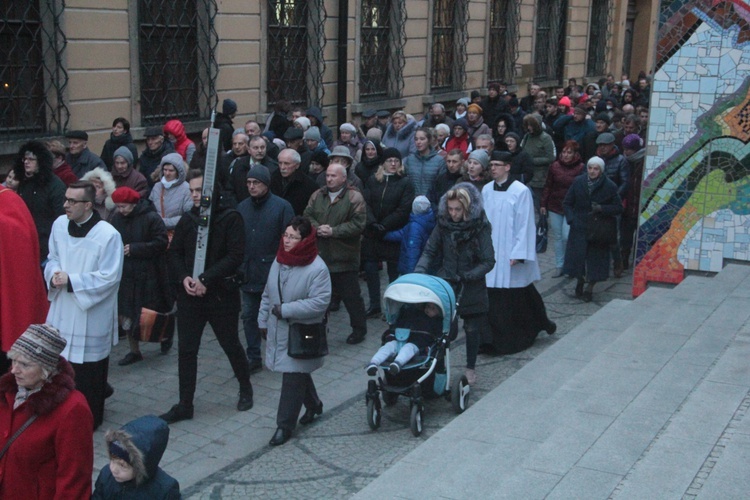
pixel 342 62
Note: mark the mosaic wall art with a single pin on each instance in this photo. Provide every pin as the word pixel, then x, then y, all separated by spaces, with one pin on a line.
pixel 695 203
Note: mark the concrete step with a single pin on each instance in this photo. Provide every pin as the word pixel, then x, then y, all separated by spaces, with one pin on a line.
pixel 582 419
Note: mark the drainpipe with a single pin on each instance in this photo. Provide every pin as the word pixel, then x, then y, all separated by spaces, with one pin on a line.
pixel 342 62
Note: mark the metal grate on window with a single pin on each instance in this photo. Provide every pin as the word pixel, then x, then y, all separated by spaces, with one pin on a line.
pixel 599 37
pixel 449 39
pixel 177 53
pixel 295 51
pixel 32 78
pixel 504 36
pixel 381 54
pixel 549 51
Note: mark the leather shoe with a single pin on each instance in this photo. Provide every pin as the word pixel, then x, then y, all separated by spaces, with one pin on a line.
pixel 588 296
pixel 246 399
pixel 355 338
pixel 579 288
pixel 166 346
pixel 551 327
pixel 373 312
pixel 130 358
pixel 176 413
pixel 280 437
pixel 310 414
pixel 255 366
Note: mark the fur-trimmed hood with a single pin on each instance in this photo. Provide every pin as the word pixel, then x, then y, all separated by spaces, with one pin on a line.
pixel 45 161
pixel 145 440
pixel 107 180
pixel 52 393
pixel 476 210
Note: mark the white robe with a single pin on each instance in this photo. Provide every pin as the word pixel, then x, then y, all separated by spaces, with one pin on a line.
pixel 86 318
pixel 511 214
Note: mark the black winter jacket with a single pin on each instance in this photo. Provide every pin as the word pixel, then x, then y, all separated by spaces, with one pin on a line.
pixel 388 205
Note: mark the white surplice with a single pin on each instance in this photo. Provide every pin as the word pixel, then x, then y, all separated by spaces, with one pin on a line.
pixel 87 317
pixel 511 214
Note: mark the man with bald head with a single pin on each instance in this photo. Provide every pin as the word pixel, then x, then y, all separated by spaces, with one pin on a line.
pixel 290 183
pixel 339 215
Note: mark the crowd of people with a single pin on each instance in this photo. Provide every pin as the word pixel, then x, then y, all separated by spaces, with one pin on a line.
pixel 298 218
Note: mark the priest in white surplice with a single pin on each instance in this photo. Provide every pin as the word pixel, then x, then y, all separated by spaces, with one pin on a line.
pixel 517 313
pixel 83 274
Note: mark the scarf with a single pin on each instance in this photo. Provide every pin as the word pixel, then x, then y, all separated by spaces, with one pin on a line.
pixel 302 254
pixel 168 184
pixel 23 394
pixel 81 231
pixel 594 183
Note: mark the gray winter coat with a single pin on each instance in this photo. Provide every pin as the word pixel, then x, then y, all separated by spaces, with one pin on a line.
pixel 177 199
pixel 423 170
pixel 306 294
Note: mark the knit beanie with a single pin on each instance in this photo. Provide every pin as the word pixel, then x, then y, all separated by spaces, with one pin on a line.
pixel 261 173
pixel 632 142
pixel 303 122
pixel 481 156
pixel 312 134
pixel 228 107
pixel 348 127
pixel 420 205
pixel 391 153
pixel 595 160
pixel 125 153
pixel 474 108
pixel 374 134
pixel 461 122
pixel 513 135
pixel 41 344
pixel 125 194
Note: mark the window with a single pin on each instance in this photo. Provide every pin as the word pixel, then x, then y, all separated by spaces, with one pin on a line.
pixel 177 43
pixel 598 38
pixel 381 48
pixel 449 18
pixel 549 51
pixel 295 51
pixel 504 16
pixel 31 80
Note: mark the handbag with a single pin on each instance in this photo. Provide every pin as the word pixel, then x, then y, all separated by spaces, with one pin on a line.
pixel 306 341
pixel 155 326
pixel 541 234
pixel 601 229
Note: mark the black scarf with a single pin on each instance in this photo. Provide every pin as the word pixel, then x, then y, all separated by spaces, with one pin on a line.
pixel 81 231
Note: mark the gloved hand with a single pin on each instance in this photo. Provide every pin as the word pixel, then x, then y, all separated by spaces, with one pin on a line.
pixel 379 230
pixel 276 310
pixel 595 207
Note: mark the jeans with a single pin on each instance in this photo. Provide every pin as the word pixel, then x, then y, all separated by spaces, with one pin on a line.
pixel 250 309
pixel 373 279
pixel 558 231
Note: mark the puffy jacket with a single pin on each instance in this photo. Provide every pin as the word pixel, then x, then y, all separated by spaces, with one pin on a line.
pixel 423 170
pixel 114 142
pixel 403 139
pixel 182 144
pixel 388 204
pixel 413 237
pixel 559 179
pixel 172 202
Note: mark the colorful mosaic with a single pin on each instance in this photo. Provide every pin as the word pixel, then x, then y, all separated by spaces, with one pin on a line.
pixel 695 203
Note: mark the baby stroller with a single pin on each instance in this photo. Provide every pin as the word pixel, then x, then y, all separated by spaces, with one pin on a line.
pixel 427 375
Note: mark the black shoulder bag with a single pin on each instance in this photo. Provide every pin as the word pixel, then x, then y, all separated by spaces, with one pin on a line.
pixel 306 341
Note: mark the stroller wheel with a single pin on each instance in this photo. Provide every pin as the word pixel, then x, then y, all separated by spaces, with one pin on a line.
pixel 390 398
pixel 460 394
pixel 373 413
pixel 416 420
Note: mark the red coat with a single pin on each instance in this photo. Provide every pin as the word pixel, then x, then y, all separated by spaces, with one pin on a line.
pixel 559 179
pixel 65 173
pixel 54 457
pixel 23 298
pixel 461 143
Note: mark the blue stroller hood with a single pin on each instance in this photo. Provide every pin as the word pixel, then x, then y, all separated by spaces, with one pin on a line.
pixel 417 289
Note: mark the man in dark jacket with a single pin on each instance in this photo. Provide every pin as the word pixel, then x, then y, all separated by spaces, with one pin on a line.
pixel 493 104
pixel 266 216
pixel 79 157
pixel 602 121
pixel 211 297
pixel 316 120
pixel 290 183
pixel 235 182
pixel 156 149
pixel 41 190
pixel 224 123
pixel 617 169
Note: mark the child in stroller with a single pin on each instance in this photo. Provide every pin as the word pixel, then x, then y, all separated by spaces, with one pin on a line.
pixel 424 317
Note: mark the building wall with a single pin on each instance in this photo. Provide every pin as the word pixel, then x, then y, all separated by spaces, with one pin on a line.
pixel 102 60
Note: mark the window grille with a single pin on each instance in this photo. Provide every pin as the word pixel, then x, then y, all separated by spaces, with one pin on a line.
pixel 449 37
pixel 382 40
pixel 32 78
pixel 177 54
pixel 599 37
pixel 295 51
pixel 549 51
pixel 504 36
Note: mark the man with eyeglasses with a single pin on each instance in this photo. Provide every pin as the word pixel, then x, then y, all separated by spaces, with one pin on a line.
pixel 265 216
pixel 83 274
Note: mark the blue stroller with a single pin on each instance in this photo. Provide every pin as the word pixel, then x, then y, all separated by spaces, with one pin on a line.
pixel 427 375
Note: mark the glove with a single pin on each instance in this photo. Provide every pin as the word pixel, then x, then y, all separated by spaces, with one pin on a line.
pixel 595 207
pixel 379 230
pixel 276 310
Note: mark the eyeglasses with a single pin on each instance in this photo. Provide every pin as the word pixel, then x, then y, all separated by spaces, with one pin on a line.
pixel 253 182
pixel 29 156
pixel 291 237
pixel 71 201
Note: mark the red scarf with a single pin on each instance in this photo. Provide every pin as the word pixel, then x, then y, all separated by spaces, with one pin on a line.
pixel 302 254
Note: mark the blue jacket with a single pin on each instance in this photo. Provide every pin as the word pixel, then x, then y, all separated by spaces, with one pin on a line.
pixel 423 170
pixel 569 129
pixel 413 237
pixel 145 440
pixel 265 221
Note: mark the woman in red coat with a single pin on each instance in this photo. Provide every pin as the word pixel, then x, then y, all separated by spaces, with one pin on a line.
pixel 54 456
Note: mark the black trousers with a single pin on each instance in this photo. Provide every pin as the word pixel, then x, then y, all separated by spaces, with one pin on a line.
pixel 191 321
pixel 91 380
pixel 346 286
pixel 296 389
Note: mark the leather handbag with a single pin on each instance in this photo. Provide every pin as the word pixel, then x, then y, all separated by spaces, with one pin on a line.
pixel 155 326
pixel 306 341
pixel 541 234
pixel 601 229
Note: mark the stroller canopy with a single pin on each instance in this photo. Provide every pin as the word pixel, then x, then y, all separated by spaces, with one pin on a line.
pixel 417 289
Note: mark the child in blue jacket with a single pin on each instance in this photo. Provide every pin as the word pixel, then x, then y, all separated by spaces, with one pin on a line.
pixel 414 235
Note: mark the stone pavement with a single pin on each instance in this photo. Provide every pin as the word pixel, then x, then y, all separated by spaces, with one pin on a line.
pixel 223 453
